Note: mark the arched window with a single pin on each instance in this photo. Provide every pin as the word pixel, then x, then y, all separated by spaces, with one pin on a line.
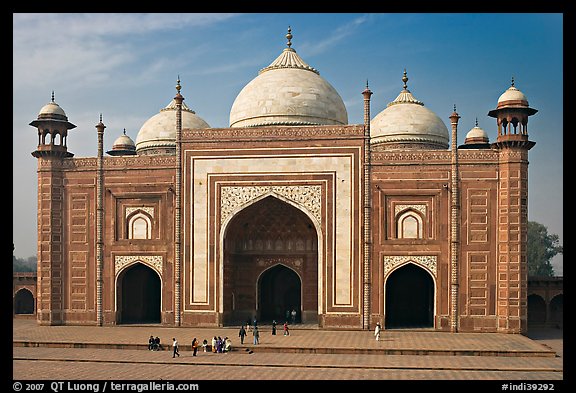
pixel 139 226
pixel 409 225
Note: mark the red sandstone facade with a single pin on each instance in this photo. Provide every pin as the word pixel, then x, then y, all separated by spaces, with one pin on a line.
pixel 254 222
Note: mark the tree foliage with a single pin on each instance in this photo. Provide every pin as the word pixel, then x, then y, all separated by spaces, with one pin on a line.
pixel 542 247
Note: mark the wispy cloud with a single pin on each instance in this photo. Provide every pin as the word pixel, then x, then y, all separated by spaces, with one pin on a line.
pixel 88 47
pixel 335 37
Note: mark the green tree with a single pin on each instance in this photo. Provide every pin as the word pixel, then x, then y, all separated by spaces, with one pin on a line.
pixel 542 247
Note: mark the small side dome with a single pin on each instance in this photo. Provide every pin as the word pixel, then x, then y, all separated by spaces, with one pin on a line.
pixel 407 123
pixel 288 92
pixel 158 134
pixel 123 146
pixel 476 138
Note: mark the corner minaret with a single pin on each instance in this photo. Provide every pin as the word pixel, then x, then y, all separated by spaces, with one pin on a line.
pixel 512 143
pixel 511 113
pixel 53 125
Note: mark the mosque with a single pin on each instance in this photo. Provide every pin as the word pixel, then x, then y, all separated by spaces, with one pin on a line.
pixel 289 208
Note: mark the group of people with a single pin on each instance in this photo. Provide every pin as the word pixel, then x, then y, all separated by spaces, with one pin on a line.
pixel 221 345
pixel 244 329
pixel 154 344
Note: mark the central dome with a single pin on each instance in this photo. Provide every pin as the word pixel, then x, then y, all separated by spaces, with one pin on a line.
pixel 288 92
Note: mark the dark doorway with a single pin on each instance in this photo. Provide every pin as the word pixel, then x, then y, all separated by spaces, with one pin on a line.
pixel 278 292
pixel 409 298
pixel 140 295
pixel 536 311
pixel 24 302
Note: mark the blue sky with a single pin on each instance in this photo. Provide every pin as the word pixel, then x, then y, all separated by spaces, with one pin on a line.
pixel 125 67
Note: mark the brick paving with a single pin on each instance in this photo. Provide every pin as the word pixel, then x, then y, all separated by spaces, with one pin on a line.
pixel 119 353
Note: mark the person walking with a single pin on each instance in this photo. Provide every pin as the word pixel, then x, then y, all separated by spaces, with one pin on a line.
pixel 256 334
pixel 242 334
pixel 286 330
pixel 377 331
pixel 293 314
pixel 175 348
pixel 194 346
pixel 274 327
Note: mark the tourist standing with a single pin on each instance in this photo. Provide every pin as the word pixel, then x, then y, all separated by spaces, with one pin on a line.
pixel 194 346
pixel 242 334
pixel 377 331
pixel 274 327
pixel 256 334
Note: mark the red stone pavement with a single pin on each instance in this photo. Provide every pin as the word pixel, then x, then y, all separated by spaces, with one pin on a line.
pixel 120 353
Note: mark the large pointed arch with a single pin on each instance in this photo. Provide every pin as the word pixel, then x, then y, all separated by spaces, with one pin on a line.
pixel 266 231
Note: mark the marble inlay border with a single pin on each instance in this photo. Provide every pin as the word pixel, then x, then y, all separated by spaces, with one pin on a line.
pixel 154 261
pixel 418 207
pixel 232 197
pixel 148 210
pixel 427 261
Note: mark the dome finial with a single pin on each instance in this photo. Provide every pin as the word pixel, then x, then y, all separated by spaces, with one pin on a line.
pixel 100 117
pixel 476 122
pixel 178 87
pixel 405 79
pixel 124 131
pixel 52 95
pixel 289 37
pixel 512 81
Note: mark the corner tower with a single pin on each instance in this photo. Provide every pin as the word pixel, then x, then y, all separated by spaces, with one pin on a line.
pixel 511 113
pixel 53 125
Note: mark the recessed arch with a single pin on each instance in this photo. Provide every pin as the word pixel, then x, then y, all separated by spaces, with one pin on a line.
pixel 24 302
pixel 409 297
pixel 266 232
pixel 138 294
pixel 279 291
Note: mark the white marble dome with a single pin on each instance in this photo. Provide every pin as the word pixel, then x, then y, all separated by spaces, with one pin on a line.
pixel 124 142
pixel 476 135
pixel 512 96
pixel 406 121
pixel 159 132
pixel 52 111
pixel 288 92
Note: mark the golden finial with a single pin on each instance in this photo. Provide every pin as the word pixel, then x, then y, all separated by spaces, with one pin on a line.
pixel 289 37
pixel 405 79
pixel 178 87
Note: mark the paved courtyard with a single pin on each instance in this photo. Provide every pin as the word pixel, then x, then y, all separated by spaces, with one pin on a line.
pixel 120 353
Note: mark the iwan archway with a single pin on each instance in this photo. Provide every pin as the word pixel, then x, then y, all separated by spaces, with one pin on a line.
pixel 409 298
pixel 138 295
pixel 270 263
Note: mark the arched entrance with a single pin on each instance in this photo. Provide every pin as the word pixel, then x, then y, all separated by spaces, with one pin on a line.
pixel 557 311
pixel 270 262
pixel 279 292
pixel 24 302
pixel 409 298
pixel 536 310
pixel 139 292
